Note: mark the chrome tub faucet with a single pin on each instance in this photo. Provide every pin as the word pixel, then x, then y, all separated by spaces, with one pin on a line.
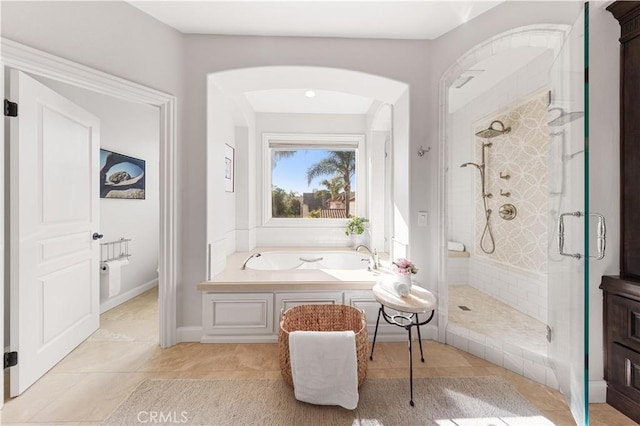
pixel 244 265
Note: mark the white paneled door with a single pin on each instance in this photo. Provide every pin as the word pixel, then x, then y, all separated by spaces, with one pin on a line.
pixel 53 214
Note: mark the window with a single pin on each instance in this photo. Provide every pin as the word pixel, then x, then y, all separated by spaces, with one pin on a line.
pixel 312 177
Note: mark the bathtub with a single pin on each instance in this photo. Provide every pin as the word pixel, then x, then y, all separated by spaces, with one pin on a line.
pixel 289 260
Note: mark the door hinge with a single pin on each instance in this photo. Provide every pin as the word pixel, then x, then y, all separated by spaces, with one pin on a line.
pixel 10 108
pixel 10 359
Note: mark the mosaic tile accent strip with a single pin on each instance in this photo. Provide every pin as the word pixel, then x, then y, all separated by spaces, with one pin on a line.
pixel 522 154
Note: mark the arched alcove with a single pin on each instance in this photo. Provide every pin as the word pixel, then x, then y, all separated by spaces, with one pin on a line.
pixel 545 41
pixel 548 36
pixel 235 221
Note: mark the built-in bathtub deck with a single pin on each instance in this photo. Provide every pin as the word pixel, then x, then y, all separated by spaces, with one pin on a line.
pixel 245 305
pixel 234 279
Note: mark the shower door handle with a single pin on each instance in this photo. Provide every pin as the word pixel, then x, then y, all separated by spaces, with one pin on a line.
pixel 601 236
pixel 561 235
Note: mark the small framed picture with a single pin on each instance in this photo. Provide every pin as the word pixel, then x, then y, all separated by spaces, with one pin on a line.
pixel 229 167
pixel 121 176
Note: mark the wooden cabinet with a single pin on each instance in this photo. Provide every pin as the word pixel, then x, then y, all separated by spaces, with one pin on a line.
pixel 622 344
pixel 622 293
pixel 628 15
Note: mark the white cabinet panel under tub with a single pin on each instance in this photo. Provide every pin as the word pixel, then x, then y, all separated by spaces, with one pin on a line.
pixel 245 317
pixel 364 300
pixel 237 313
pixel 286 301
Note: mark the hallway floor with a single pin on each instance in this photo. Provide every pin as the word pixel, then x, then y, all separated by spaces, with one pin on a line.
pixel 90 383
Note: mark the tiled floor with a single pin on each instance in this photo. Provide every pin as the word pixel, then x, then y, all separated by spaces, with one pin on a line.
pixel 496 320
pixel 89 384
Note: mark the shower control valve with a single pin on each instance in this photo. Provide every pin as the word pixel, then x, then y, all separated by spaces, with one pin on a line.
pixel 505 193
pixel 508 211
pixel 506 176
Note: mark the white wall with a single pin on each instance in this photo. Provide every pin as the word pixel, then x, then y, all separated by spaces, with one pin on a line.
pixel 378 175
pixel 113 37
pixel 110 36
pixel 246 194
pixel 378 157
pixel 221 205
pixel 130 129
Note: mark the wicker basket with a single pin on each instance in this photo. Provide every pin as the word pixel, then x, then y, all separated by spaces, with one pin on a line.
pixel 323 318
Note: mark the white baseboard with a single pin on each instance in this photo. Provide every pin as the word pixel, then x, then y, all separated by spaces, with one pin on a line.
pixel 189 334
pixel 121 298
pixel 597 391
pixel 194 334
pixel 429 332
pixel 268 338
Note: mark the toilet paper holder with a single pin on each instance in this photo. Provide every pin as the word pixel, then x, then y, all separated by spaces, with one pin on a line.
pixel 115 250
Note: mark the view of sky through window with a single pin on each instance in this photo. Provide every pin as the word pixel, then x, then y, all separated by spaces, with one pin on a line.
pixel 290 173
pixel 289 177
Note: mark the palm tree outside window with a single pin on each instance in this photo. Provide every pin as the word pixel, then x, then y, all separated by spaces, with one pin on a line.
pixel 312 179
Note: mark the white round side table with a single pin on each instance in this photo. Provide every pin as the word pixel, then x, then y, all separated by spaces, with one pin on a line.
pixel 419 301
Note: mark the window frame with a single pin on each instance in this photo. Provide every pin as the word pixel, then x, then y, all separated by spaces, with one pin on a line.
pixel 310 141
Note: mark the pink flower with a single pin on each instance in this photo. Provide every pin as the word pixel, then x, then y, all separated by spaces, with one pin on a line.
pixel 404 266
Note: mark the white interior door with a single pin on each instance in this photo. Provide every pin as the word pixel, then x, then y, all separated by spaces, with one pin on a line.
pixel 53 212
pixel 568 186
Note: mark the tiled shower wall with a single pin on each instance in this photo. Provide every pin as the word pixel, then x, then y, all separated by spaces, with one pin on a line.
pixel 521 155
pixel 516 273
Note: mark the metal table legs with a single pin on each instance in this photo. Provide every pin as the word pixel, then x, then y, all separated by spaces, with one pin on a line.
pixel 407 322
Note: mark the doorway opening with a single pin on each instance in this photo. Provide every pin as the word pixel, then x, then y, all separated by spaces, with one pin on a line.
pixel 45 66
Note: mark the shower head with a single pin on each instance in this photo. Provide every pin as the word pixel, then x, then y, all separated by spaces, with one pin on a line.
pixel 564 117
pixel 492 132
pixel 471 164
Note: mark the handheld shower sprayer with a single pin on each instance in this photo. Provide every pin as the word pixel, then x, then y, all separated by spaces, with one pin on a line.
pixel 487 211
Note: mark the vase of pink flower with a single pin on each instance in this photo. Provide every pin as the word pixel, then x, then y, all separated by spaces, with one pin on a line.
pixel 404 270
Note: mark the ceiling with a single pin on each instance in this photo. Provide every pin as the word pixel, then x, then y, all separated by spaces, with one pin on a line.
pixel 424 20
pixel 281 89
pixel 491 72
pixel 296 101
pixel 347 18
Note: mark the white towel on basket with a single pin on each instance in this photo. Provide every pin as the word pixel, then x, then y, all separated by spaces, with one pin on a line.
pixel 324 367
pixel 390 284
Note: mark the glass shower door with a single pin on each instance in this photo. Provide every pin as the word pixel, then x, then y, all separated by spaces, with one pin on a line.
pixel 568 229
